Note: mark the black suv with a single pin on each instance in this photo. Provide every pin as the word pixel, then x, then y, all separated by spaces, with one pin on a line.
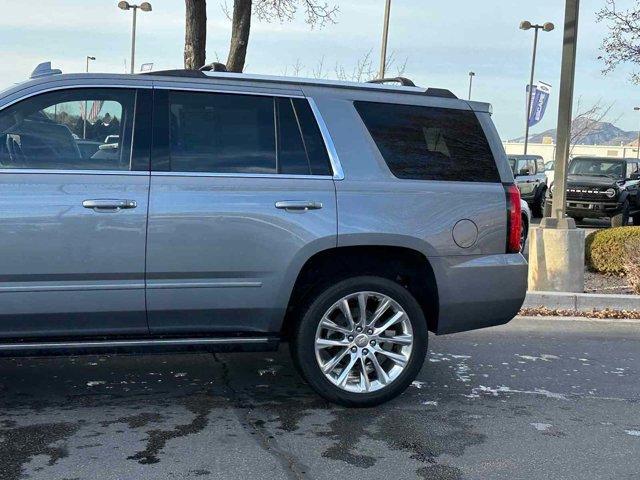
pixel 604 187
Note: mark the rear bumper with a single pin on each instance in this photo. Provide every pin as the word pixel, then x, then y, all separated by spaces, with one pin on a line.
pixel 479 291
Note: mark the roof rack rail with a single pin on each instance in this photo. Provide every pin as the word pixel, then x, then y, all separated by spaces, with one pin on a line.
pixel 214 67
pixel 177 73
pixel 440 92
pixel 405 82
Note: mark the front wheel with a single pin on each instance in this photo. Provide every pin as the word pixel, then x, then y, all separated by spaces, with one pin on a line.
pixel 622 218
pixel 361 342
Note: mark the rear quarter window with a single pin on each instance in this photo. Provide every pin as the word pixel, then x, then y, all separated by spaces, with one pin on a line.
pixel 430 143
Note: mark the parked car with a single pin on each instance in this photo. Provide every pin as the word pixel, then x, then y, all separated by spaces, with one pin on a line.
pixel 240 211
pixel 529 172
pixel 526 223
pixel 603 187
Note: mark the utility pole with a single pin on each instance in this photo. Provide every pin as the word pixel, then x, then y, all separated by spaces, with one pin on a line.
pixel 638 152
pixel 556 249
pixel 385 36
pixel 471 75
pixel 84 124
pixel 526 25
pixel 145 7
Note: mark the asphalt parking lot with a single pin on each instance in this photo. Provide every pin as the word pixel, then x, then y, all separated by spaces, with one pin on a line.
pixel 530 400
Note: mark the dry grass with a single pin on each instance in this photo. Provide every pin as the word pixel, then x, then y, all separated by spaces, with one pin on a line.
pixel 603 314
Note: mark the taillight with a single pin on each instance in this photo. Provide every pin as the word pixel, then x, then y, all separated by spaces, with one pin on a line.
pixel 514 218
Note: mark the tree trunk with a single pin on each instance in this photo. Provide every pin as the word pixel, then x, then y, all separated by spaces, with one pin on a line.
pixel 240 26
pixel 195 37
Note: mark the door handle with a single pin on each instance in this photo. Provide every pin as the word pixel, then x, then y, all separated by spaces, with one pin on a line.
pixel 298 205
pixel 109 205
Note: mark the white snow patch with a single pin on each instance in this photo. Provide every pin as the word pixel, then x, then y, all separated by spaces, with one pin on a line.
pixel 633 433
pixel 541 427
pixel 461 356
pixel 93 383
pixel 180 374
pixel 475 392
pixel 543 357
pixel 430 402
pixel 418 384
pixel 270 370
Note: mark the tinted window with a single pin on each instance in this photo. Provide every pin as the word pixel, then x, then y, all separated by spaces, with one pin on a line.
pixel 82 129
pixel 314 144
pixel 222 133
pixel 292 156
pixel 427 143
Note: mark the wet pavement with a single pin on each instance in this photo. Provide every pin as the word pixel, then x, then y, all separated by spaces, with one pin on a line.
pixel 531 400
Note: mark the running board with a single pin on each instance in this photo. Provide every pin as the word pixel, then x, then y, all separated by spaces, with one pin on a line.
pixel 143 345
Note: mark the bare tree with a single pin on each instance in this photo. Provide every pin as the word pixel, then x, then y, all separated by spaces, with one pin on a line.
pixel 317 13
pixel 622 45
pixel 588 120
pixel 195 37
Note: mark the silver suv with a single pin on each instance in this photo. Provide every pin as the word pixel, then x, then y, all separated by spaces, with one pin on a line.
pixel 233 212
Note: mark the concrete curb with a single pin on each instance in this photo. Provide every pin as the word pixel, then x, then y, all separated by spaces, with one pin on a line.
pixel 582 302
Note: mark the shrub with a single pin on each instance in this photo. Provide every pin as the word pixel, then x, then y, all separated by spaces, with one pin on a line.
pixel 632 263
pixel 605 249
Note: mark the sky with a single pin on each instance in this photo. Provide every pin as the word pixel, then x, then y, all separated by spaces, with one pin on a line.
pixel 440 41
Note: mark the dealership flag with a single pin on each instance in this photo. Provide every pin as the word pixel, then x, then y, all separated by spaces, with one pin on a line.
pixel 539 100
pixel 96 106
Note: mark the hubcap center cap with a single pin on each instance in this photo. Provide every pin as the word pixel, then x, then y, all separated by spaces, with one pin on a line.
pixel 362 340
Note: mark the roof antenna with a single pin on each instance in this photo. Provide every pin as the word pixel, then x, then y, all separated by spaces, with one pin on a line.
pixel 214 67
pixel 44 70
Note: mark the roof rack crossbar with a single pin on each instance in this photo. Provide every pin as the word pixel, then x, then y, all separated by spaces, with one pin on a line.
pixel 405 82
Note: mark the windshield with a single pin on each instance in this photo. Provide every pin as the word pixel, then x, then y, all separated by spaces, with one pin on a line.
pixel 597 167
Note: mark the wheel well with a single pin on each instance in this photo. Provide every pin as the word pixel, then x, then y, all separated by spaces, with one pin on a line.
pixel 408 267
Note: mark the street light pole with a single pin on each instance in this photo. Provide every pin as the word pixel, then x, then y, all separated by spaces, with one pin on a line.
pixel 471 75
pixel 638 151
pixel 385 36
pixel 84 123
pixel 145 7
pixel 526 25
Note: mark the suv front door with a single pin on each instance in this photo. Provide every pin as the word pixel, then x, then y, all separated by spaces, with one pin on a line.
pixel 73 213
pixel 241 195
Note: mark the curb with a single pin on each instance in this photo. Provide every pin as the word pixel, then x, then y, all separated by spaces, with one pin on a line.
pixel 581 302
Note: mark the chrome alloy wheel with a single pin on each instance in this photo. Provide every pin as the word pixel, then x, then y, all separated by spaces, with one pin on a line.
pixel 363 342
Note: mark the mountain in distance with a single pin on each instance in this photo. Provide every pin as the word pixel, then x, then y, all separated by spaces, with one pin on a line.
pixel 599 133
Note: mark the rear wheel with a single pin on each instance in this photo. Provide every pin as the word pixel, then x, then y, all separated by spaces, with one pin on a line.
pixel 622 218
pixel 537 209
pixel 524 233
pixel 361 342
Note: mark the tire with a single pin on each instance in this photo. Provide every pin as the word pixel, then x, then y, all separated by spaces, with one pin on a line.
pixel 546 206
pixel 525 233
pixel 636 219
pixel 577 219
pixel 370 391
pixel 537 209
pixel 622 218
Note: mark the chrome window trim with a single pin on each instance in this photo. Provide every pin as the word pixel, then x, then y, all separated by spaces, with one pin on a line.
pixel 32 171
pixel 242 175
pixel 72 87
pixel 82 172
pixel 336 166
pixel 216 89
pixel 334 160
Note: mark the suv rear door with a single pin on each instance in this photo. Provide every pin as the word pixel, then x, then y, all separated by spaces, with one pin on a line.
pixel 239 200
pixel 72 219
